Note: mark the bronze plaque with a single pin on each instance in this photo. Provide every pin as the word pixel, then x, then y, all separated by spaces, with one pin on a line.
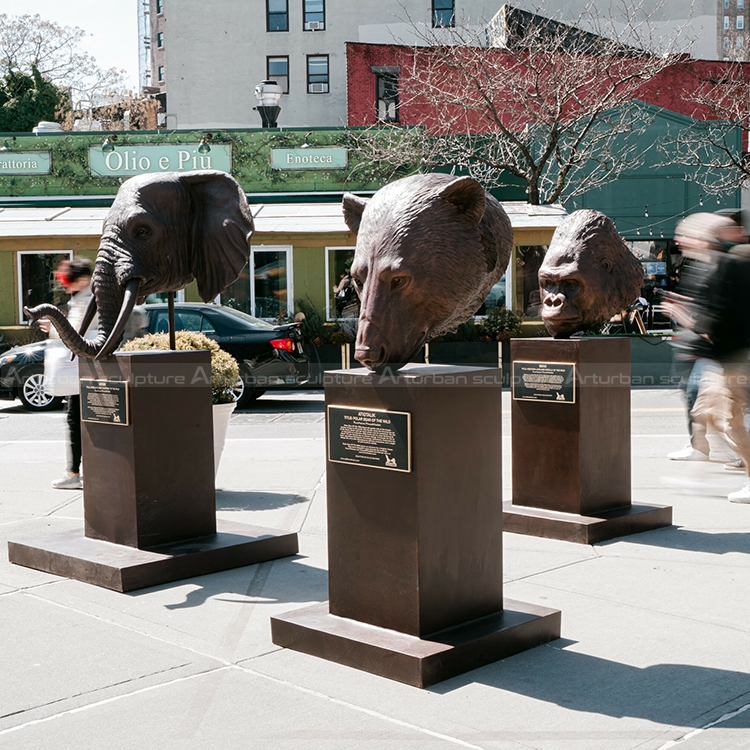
pixel 377 438
pixel 544 381
pixel 104 401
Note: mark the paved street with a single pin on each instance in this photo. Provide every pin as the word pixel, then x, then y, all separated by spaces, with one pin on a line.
pixel 655 647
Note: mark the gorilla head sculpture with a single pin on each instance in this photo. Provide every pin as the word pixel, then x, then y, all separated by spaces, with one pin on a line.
pixel 587 276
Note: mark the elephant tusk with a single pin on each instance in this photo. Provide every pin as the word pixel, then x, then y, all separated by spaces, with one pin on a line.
pixel 128 303
pixel 88 316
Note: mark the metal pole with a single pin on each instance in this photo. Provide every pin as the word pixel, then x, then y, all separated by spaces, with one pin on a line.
pixel 170 312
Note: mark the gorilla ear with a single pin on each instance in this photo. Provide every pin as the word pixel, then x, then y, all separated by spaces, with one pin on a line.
pixel 222 226
pixel 353 207
pixel 467 195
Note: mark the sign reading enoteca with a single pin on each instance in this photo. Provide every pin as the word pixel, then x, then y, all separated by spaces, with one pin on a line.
pixel 309 158
pixel 25 162
pixel 126 161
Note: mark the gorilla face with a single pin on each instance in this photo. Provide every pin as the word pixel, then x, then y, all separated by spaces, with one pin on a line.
pixel 587 276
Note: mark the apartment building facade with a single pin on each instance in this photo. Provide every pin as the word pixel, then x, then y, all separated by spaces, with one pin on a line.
pixel 207 59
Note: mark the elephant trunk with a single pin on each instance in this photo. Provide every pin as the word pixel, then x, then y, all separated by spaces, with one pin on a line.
pixel 112 321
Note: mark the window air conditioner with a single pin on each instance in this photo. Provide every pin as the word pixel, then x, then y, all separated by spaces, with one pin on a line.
pixel 314 26
pixel 318 88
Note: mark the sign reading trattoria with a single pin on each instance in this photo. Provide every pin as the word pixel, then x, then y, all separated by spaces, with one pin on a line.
pixel 25 162
pixel 544 381
pixel 126 161
pixel 309 158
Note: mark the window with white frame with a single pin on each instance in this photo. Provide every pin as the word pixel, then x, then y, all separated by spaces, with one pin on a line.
pixel 740 42
pixel 726 22
pixel 264 287
pixel 341 298
pixel 160 72
pixel 740 3
pixel 726 4
pixel 37 283
pixel 725 43
pixel 740 22
pixel 160 5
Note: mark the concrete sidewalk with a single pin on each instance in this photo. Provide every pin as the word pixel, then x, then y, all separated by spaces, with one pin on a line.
pixel 656 627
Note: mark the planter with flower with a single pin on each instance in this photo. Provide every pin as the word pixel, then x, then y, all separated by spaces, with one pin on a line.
pixel 224 375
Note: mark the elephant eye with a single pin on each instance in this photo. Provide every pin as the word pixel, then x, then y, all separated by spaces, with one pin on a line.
pixel 398 282
pixel 143 231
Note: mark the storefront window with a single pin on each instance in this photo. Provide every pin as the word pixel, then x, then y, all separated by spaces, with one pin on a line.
pixel 268 294
pixel 497 296
pixel 36 272
pixel 528 260
pixel 341 299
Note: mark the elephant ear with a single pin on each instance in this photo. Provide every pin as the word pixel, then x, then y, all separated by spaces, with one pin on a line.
pixel 222 226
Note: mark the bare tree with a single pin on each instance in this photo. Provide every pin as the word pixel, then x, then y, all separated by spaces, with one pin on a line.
pixel 27 41
pixel 547 104
pixel 712 148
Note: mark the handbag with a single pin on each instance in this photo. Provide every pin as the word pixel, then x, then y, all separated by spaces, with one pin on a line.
pixel 60 371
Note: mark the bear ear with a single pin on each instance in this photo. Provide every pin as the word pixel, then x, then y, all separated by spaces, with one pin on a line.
pixel 353 207
pixel 467 195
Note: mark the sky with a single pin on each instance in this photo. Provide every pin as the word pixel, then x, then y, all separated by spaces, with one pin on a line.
pixel 112 27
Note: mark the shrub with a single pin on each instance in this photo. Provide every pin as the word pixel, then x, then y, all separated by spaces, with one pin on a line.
pixel 500 324
pixel 225 371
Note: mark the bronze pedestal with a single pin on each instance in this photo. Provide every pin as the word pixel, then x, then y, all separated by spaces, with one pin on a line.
pixel 149 498
pixel 415 530
pixel 571 442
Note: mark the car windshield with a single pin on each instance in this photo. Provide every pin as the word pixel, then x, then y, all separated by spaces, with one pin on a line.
pixel 257 322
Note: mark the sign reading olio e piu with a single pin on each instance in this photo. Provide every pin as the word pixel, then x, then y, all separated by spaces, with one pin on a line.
pixel 25 162
pixel 126 161
pixel 309 158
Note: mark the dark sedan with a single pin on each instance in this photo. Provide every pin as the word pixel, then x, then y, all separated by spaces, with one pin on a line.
pixel 22 376
pixel 269 356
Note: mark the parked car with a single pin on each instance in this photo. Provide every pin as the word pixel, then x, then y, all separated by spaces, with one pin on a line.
pixel 270 356
pixel 22 376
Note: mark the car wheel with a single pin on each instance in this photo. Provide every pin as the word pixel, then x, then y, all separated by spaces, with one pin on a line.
pixel 243 395
pixel 32 393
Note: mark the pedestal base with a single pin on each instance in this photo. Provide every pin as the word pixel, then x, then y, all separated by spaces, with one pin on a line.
pixel 116 566
pixel 406 658
pixel 569 527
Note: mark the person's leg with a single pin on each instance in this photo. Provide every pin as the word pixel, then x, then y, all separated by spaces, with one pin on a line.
pixel 699 447
pixel 736 382
pixel 72 479
pixel 74 434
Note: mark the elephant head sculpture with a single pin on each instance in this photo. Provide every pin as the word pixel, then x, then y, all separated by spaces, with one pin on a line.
pixel 163 231
pixel 429 249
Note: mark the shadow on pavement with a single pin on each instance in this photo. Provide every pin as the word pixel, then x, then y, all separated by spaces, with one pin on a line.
pixel 301 584
pixel 231 500
pixel 672 694
pixel 674 537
